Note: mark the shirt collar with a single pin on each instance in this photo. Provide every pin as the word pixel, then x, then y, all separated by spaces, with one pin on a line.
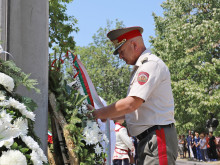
pixel 142 57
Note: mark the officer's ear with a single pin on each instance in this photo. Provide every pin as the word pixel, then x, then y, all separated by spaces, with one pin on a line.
pixel 134 45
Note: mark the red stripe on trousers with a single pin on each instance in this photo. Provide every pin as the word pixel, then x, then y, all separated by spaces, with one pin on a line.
pixel 161 143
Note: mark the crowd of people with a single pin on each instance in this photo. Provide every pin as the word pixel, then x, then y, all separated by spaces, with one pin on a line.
pixel 200 147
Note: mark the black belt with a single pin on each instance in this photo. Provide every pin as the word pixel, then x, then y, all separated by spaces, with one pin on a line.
pixel 151 129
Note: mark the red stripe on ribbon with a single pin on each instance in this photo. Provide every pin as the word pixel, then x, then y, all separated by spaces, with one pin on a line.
pixel 52 65
pixel 83 76
pixel 76 75
pixel 75 57
pixel 77 71
pixel 93 96
pixel 87 86
pixel 161 143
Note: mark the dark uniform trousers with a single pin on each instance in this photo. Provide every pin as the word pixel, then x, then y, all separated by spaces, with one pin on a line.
pixel 158 147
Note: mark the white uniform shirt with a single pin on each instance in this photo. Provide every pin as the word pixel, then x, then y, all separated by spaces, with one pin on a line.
pixel 123 142
pixel 150 82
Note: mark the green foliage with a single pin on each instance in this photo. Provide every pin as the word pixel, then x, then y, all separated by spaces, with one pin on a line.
pixel 187 39
pixel 20 78
pixel 61 25
pixel 77 122
pixel 109 74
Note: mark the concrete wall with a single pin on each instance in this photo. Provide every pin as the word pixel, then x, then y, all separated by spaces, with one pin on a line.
pixel 28 43
pixel 3 24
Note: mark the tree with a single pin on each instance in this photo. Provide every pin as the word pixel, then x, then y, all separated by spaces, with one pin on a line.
pixel 61 25
pixel 108 73
pixel 187 39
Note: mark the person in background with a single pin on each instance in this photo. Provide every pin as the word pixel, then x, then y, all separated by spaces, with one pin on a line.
pixel 212 149
pixel 135 142
pixel 122 145
pixel 180 146
pixel 207 141
pixel 203 147
pixel 198 152
pixel 218 147
pixel 192 148
pixel 184 146
pixel 188 139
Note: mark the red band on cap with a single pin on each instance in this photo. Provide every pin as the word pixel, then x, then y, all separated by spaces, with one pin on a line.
pixel 129 35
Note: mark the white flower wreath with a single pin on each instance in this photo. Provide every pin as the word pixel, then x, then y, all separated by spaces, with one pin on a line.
pixel 11 129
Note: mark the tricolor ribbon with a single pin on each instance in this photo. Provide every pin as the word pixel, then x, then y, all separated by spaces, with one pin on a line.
pixel 85 80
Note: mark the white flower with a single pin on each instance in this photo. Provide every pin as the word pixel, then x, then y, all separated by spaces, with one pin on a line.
pixel 29 141
pixel 84 109
pixel 6 135
pixel 105 138
pixel 95 127
pixel 14 103
pixel 4 103
pixel 7 82
pixel 7 132
pixel 22 108
pixel 92 133
pixel 35 158
pixel 22 125
pixel 8 143
pixel 33 145
pixel 29 115
pixel 2 96
pixel 41 154
pixel 13 157
pixel 5 117
pixel 98 149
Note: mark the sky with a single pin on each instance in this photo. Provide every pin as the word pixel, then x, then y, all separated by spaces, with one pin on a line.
pixel 93 14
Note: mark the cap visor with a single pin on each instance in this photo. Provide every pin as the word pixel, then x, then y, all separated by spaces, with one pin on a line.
pixel 116 49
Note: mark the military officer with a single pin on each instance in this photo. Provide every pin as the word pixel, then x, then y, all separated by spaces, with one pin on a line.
pixel 149 106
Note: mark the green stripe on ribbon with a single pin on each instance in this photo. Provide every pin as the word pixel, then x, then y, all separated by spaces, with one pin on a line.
pixel 81 80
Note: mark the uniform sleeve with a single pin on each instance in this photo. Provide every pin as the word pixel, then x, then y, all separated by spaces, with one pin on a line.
pixel 126 139
pixel 146 80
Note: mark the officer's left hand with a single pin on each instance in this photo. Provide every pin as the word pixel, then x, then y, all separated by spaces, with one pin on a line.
pixel 91 108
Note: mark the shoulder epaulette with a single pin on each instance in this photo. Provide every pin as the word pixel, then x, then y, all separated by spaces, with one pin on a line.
pixel 144 60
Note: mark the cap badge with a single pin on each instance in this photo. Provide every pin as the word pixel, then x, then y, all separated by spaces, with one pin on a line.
pixel 116 43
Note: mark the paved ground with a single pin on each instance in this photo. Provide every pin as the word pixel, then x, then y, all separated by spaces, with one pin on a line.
pixel 190 162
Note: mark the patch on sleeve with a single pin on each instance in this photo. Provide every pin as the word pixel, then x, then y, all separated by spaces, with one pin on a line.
pixel 142 78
